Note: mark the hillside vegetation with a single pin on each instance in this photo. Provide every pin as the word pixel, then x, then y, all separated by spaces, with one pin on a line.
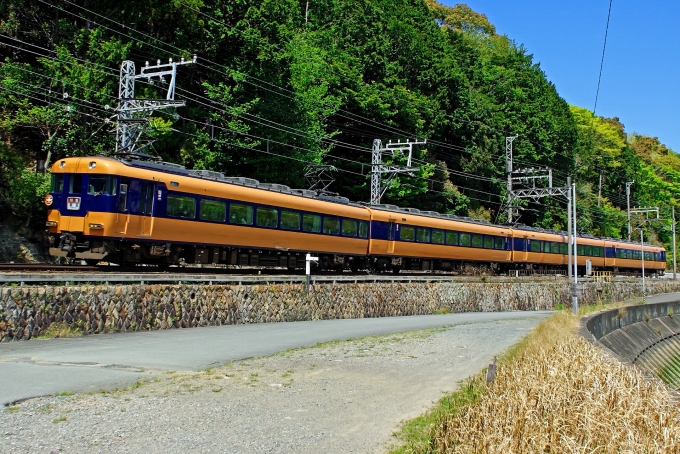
pixel 278 85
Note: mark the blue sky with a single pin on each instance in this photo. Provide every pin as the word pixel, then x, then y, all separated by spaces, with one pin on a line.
pixel 641 74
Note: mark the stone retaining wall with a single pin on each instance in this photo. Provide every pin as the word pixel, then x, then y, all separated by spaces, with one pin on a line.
pixel 26 312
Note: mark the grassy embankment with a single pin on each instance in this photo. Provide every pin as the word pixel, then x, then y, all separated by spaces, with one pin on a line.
pixel 554 392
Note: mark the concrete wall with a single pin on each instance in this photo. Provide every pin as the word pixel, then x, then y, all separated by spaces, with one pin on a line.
pixel 26 312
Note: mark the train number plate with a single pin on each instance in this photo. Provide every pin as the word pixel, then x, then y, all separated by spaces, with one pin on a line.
pixel 73 203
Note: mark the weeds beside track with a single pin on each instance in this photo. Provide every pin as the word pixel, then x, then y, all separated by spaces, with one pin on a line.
pixel 557 393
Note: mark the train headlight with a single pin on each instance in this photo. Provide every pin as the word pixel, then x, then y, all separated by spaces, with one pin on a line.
pixel 92 165
pixel 96 226
pixel 62 164
pixel 51 224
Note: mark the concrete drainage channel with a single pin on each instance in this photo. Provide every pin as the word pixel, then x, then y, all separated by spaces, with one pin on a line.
pixel 647 336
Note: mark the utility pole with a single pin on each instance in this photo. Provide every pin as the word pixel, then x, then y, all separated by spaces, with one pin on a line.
pixel 508 170
pixel 378 188
pixel 132 114
pixel 675 273
pixel 574 298
pixel 642 255
pixel 599 190
pixel 628 183
pixel 569 208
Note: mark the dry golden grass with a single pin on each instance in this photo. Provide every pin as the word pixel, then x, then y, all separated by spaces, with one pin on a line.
pixel 560 394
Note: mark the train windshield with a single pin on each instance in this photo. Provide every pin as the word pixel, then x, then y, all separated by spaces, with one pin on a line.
pixel 57 184
pixel 102 185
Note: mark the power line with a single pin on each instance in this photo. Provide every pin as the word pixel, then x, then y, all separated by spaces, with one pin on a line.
pixel 597 93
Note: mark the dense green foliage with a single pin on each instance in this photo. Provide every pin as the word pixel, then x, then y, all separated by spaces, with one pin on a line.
pixel 280 84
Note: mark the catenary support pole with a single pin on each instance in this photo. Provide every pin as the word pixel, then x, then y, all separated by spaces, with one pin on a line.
pixel 574 298
pixel 642 255
pixel 675 271
pixel 569 226
pixel 628 183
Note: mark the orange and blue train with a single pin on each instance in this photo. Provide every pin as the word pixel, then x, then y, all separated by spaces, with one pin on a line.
pixel 140 212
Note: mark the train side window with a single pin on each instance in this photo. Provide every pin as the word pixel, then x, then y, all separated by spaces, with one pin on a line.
pixel 546 247
pixel 423 235
pixel 579 249
pixel 290 220
pixel 102 185
pixel 363 229
pixel 620 254
pixel 349 227
pixel 240 214
pixel 57 183
pixel 452 238
pixel 180 206
pixel 407 233
pixel 331 225
pixel 122 198
pixel 75 185
pixel 629 254
pixel 555 248
pixel 648 256
pixel 465 239
pixel 488 242
pixel 267 217
pixel 535 246
pixel 499 242
pixel 477 241
pixel 438 237
pixel 588 251
pixel 564 248
pixel 212 210
pixel 311 223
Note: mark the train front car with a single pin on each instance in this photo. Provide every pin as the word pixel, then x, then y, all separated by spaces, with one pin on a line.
pixel 81 207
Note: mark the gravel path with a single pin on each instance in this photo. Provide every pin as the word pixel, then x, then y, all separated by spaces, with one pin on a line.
pixel 338 397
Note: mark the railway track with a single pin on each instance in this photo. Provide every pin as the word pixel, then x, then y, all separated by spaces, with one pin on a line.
pixel 32 273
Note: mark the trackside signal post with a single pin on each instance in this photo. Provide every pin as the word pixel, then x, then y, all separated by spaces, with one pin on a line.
pixel 308 270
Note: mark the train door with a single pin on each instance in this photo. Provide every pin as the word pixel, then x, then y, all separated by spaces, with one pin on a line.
pixel 520 251
pixel 390 235
pixel 122 208
pixel 146 209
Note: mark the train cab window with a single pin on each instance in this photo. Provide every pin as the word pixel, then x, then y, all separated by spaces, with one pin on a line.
pixel 452 238
pixel 564 248
pixel 102 185
pixel 488 242
pixel 465 239
pixel 407 233
pixel 75 183
pixel 212 210
pixel 57 183
pixel 534 246
pixel 331 225
pixel 267 217
pixel 290 220
pixel 438 237
pixel 499 242
pixel 555 248
pixel 363 229
pixel 180 206
pixel 476 240
pixel 240 214
pixel 349 227
pixel 311 223
pixel 423 235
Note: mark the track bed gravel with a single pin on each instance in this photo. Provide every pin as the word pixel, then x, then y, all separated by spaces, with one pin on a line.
pixel 338 397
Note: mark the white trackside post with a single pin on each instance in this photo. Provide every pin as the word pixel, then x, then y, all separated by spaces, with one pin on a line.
pixel 308 269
